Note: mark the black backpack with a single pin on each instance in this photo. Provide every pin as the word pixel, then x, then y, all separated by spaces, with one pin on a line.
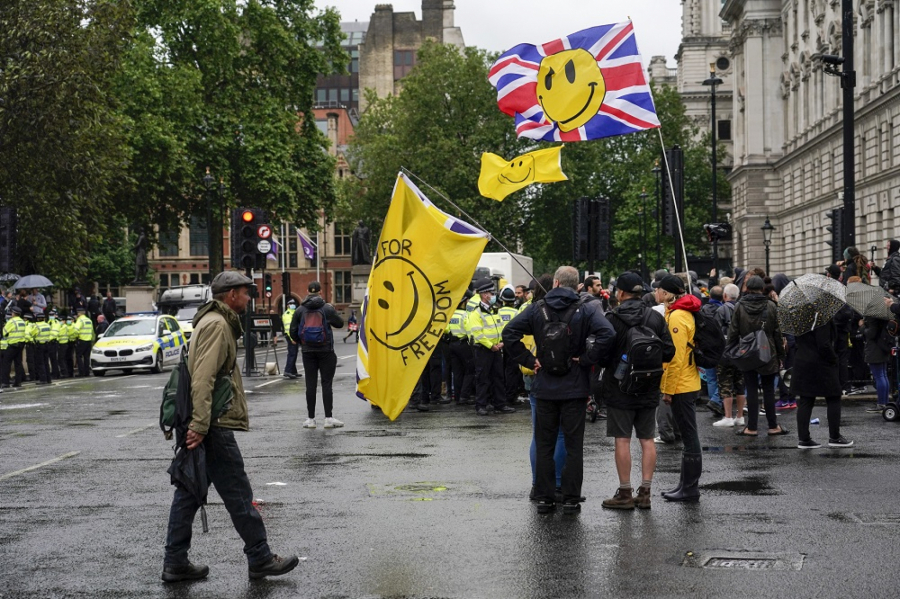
pixel 643 351
pixel 709 342
pixel 554 350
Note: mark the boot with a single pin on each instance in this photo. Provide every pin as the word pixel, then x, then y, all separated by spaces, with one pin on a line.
pixel 677 489
pixel 642 499
pixel 691 466
pixel 622 500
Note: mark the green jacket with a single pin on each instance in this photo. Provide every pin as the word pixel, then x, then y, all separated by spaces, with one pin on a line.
pixel 213 353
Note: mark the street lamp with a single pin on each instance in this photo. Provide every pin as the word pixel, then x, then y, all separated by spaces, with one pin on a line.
pixel 208 182
pixel 656 171
pixel 767 230
pixel 642 213
pixel 712 82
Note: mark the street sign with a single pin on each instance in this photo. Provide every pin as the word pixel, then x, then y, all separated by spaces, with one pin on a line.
pixel 264 246
pixel 264 232
pixel 268 294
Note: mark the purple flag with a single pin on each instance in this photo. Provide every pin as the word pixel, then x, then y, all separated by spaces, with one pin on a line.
pixel 273 254
pixel 309 248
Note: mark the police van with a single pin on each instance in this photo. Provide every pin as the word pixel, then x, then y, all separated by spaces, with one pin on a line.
pixel 183 303
pixel 142 341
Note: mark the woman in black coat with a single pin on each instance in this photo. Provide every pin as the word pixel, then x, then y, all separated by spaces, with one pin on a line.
pixel 815 374
pixel 877 353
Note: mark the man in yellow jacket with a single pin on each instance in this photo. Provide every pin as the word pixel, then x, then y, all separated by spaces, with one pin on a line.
pixel 485 328
pixel 680 383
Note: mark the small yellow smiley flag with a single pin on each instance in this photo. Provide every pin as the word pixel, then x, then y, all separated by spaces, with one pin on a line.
pixel 423 265
pixel 500 177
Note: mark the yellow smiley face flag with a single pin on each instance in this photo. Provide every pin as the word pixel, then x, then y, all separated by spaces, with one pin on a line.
pixel 423 265
pixel 500 177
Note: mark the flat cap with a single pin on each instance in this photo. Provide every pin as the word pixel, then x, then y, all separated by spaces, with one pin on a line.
pixel 229 279
pixel 484 285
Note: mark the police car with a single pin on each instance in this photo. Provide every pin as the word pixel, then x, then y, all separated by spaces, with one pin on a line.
pixel 138 341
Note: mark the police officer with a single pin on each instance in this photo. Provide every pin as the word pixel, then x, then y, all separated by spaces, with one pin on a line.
pixel 31 333
pixel 461 366
pixel 485 328
pixel 473 299
pixel 62 347
pixel 70 349
pixel 85 330
pixel 14 338
pixel 53 346
pixel 512 376
pixel 41 347
pixel 290 367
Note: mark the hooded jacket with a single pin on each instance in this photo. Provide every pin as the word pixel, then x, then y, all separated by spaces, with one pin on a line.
pixel 681 375
pixel 753 312
pixel 587 321
pixel 332 318
pixel 815 371
pixel 213 353
pixel 630 313
pixel 878 341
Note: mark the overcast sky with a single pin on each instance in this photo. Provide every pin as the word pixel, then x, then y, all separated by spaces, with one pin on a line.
pixel 500 24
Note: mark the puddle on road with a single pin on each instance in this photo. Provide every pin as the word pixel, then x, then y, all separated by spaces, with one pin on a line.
pixel 116 412
pixel 376 433
pixel 749 486
pixel 744 448
pixel 850 454
pixel 81 424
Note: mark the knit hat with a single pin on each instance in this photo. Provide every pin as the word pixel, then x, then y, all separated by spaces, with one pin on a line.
pixel 893 246
pixel 672 284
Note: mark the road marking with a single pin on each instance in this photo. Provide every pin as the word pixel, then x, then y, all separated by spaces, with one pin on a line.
pixel 269 383
pixel 119 378
pixel 41 465
pixel 347 357
pixel 137 430
pixel 22 405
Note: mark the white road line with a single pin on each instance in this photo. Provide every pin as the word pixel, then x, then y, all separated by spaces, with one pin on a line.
pixel 137 430
pixel 118 378
pixel 269 383
pixel 346 357
pixel 41 465
pixel 21 406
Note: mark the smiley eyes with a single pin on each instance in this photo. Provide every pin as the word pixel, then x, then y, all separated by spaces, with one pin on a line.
pixel 390 287
pixel 570 75
pixel 520 163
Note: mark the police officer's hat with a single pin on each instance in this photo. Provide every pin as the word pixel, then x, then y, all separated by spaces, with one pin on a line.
pixel 28 316
pixel 508 294
pixel 484 286
pixel 40 315
pixel 292 302
pixel 16 310
pixel 80 310
pixel 53 312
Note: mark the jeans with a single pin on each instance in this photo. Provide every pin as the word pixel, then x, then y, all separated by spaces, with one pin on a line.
pixel 685 414
pixel 712 384
pixel 882 386
pixel 225 469
pixel 804 412
pixel 315 362
pixel 290 366
pixel 754 381
pixel 553 416
pixel 559 455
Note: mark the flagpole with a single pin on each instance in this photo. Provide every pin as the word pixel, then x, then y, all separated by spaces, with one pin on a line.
pixel 482 227
pixel 283 264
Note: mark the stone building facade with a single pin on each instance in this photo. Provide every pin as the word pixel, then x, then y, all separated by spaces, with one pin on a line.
pixel 788 156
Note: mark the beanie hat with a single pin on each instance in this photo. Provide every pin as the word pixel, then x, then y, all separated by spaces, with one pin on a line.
pixel 672 284
pixel 894 246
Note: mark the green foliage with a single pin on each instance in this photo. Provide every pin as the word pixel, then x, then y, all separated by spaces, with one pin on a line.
pixel 112 260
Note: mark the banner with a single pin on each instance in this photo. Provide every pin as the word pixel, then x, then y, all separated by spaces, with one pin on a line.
pixel 309 248
pixel 423 265
pixel 500 177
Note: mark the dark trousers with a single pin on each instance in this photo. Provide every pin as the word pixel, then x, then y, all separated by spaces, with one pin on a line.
pixel 62 350
pixel 489 387
pixel 41 363
pixel 12 356
pixel 53 357
pixel 30 362
pixel 70 358
pixel 685 414
pixel 843 355
pixel 754 381
pixel 430 381
pixel 553 415
pixel 290 367
pixel 225 470
pixel 315 363
pixel 462 369
pixel 83 357
pixel 804 413
pixel 513 378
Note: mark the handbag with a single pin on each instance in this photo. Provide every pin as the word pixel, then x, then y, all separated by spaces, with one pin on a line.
pixel 752 351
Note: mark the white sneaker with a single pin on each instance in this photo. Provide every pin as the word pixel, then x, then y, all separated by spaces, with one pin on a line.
pixel 310 423
pixel 724 422
pixel 739 421
pixel 333 423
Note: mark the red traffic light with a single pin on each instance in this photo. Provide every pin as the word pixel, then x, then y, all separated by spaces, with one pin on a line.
pixel 247 216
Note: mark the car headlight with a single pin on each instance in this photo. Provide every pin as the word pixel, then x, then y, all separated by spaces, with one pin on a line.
pixel 97 352
pixel 147 347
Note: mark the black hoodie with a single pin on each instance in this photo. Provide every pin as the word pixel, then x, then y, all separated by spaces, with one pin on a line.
pixel 315 302
pixel 756 311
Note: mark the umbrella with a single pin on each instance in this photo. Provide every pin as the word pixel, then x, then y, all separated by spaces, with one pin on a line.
pixel 808 302
pixel 33 282
pixel 868 300
pixel 8 277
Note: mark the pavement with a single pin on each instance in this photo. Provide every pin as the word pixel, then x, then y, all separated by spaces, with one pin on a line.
pixel 432 505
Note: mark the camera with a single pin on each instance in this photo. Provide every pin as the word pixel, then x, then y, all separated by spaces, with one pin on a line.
pixel 832 59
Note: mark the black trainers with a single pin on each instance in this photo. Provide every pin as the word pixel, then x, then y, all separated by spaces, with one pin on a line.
pixel 482 411
pixel 545 507
pixel 840 442
pixel 423 406
pixel 809 444
pixel 180 573
pixel 571 507
pixel 504 410
pixel 274 567
pixel 876 409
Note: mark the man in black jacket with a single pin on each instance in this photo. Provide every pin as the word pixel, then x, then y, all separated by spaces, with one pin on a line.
pixel 312 318
pixel 627 412
pixel 561 398
pixel 890 272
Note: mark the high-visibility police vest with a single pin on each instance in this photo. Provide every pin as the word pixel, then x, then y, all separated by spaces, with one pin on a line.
pixel 286 319
pixel 85 328
pixel 457 324
pixel 71 332
pixel 44 332
pixel 60 334
pixel 525 305
pixel 14 331
pixel 473 302
pixel 31 332
pixel 506 313
pixel 484 328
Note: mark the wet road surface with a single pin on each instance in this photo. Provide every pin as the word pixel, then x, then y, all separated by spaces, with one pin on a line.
pixel 432 505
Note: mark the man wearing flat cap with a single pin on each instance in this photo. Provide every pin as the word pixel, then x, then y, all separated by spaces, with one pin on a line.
pixel 213 354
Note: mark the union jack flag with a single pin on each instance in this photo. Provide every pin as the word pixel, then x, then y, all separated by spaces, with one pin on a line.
pixel 627 106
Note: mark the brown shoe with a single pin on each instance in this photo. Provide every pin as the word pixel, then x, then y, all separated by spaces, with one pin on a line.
pixel 622 500
pixel 642 500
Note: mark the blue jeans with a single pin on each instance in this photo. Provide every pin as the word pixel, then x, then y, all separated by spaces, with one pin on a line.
pixel 882 386
pixel 712 384
pixel 225 469
pixel 559 456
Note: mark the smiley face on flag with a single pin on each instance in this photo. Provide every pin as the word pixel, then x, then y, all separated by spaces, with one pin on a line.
pixel 587 85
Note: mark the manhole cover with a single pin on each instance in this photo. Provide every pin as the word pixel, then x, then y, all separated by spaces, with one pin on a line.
pixel 742 560
pixel 423 490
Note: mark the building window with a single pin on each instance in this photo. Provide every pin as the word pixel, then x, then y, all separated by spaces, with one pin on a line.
pixel 322 125
pixel 404 60
pixel 724 130
pixel 354 61
pixel 321 95
pixel 164 280
pixel 194 278
pixel 354 95
pixel 343 289
pixel 168 242
pixel 199 237
pixel 341 241
pixel 333 95
pixel 345 95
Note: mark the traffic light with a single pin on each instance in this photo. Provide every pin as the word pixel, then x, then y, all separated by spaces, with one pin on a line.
pixel 603 225
pixel 580 229
pixel 8 226
pixel 286 283
pixel 836 228
pixel 268 284
pixel 591 229
pixel 251 238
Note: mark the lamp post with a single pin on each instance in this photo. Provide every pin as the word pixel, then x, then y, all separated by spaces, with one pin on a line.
pixel 656 172
pixel 712 82
pixel 642 213
pixel 208 181
pixel 767 230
